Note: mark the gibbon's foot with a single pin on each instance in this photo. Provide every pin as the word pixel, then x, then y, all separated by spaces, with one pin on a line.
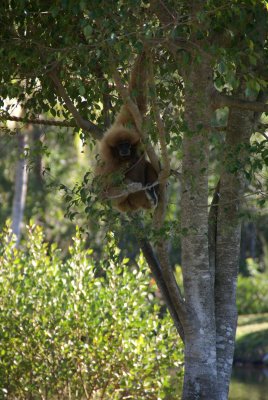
pixel 152 196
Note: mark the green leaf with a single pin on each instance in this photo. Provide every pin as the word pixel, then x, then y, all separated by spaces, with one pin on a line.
pixel 88 31
pixel 222 68
pixel 82 90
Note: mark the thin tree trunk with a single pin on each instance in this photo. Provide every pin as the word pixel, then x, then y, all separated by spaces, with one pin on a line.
pixel 240 127
pixel 21 180
pixel 200 379
pixel 158 276
pixel 38 160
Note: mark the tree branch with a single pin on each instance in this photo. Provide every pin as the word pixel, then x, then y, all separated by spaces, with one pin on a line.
pixel 156 270
pixel 105 96
pixel 95 131
pixel 165 172
pixel 222 100
pixel 37 121
pixel 158 276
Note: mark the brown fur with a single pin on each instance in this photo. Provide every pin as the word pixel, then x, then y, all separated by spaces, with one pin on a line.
pixel 111 138
pixel 136 169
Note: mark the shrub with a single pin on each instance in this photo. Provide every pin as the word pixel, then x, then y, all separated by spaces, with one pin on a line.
pixel 252 294
pixel 68 332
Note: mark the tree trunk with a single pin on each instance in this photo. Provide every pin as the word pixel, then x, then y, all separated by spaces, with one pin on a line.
pixel 200 379
pixel 38 160
pixel 231 190
pixel 21 179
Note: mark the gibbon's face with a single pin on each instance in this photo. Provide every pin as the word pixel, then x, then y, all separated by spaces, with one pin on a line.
pixel 124 150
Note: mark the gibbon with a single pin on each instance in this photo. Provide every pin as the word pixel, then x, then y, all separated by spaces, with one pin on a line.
pixel 122 157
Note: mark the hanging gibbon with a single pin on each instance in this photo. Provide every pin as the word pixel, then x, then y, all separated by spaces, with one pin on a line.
pixel 122 160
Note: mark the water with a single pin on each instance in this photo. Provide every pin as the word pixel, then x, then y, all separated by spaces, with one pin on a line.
pixel 249 384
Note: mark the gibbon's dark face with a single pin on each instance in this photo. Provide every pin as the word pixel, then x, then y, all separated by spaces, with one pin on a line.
pixel 124 149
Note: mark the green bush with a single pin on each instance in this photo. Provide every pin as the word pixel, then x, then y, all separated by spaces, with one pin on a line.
pixel 252 293
pixel 70 330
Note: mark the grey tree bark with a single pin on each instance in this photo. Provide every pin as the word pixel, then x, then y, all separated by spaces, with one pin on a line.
pixel 200 379
pixel 20 191
pixel 228 233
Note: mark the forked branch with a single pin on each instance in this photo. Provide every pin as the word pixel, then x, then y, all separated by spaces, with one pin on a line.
pixel 82 123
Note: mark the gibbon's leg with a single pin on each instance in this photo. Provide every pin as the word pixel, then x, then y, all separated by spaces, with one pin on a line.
pixel 144 173
pixel 133 202
pixel 120 204
pixel 123 206
pixel 138 200
pixel 129 204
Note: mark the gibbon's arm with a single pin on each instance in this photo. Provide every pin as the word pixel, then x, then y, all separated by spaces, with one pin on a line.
pixel 138 87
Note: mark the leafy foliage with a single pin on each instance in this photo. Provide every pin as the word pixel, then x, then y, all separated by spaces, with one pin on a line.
pixel 72 330
pixel 252 296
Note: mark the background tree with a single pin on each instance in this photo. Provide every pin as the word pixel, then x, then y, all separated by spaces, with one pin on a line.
pixel 207 58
